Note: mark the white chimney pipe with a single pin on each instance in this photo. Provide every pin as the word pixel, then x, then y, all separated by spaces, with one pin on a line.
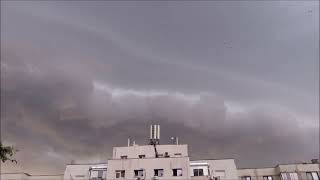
pixel 128 142
pixel 158 137
pixel 151 132
pixel 155 131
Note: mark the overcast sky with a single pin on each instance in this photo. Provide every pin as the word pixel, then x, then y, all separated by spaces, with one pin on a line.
pixel 231 79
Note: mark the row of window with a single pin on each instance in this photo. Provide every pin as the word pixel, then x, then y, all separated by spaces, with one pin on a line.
pixel 294 176
pixel 249 178
pixel 289 176
pixel 142 156
pixel 141 173
pixel 312 176
pixel 197 172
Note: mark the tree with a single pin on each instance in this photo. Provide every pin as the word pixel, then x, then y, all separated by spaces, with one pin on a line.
pixel 6 153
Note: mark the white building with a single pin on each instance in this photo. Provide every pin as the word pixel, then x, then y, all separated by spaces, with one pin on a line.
pixel 154 161
pixel 300 171
pixel 170 162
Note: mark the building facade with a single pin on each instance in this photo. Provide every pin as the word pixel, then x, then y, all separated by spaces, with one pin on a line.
pixel 170 162
pixel 302 171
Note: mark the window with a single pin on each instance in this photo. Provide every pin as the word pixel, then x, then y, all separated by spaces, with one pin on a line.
pixel 177 154
pixel 166 154
pixel 124 157
pixel 197 172
pixel 142 156
pixel 138 173
pixel 312 176
pixel 97 174
pixel 120 173
pixel 158 172
pixel 177 172
pixel 100 174
pixel 246 178
pixel 315 176
pixel 267 177
pixel 93 175
pixel 284 176
pixel 293 176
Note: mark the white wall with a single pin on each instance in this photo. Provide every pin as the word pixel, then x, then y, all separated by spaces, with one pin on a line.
pixel 222 166
pixel 299 167
pixel 149 164
pixel 148 150
pixel 258 173
pixel 25 176
pixel 46 177
pixel 14 176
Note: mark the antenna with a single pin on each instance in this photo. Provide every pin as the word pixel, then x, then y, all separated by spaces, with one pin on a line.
pixel 175 140
pixel 155 137
pixel 154 134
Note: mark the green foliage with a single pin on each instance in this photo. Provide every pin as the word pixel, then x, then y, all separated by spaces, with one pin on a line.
pixel 6 153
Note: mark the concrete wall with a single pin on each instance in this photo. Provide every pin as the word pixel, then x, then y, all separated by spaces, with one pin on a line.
pixel 14 176
pixel 300 169
pixel 148 151
pixel 307 167
pixel 25 176
pixel 225 168
pixel 257 174
pixel 45 177
pixel 149 164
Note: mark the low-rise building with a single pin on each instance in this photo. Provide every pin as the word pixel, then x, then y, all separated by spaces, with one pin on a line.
pixel 298 171
pixel 92 171
pixel 155 161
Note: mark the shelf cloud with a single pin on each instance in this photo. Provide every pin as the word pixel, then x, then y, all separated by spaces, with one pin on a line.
pixel 231 79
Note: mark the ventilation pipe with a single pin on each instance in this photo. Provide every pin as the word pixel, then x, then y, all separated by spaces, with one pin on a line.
pixel 154 134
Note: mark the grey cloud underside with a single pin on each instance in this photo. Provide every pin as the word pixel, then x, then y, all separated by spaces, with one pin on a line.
pixel 91 121
pixel 54 111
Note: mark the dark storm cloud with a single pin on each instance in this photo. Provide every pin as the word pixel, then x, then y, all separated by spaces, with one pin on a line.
pixel 238 79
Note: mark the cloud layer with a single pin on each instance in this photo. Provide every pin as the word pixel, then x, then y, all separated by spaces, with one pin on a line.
pixel 73 85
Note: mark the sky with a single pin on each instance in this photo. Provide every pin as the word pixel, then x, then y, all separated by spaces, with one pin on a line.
pixel 234 79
